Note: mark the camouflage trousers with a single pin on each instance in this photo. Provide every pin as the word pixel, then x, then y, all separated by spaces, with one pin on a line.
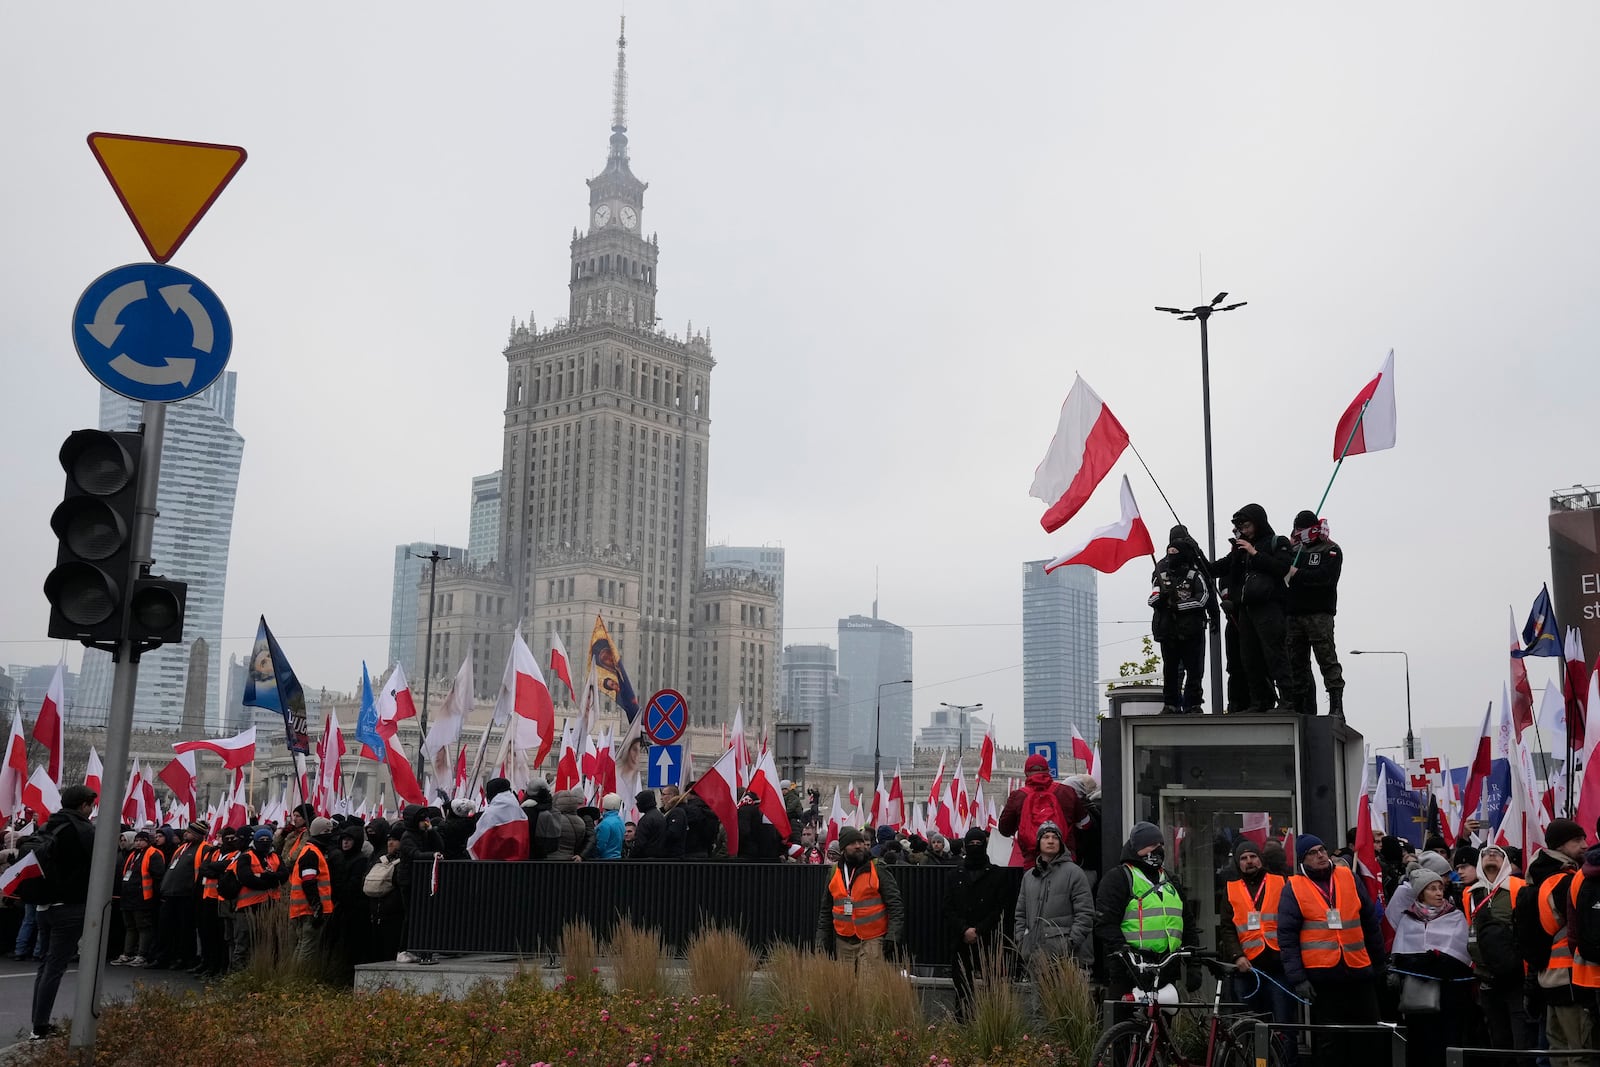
pixel 1313 635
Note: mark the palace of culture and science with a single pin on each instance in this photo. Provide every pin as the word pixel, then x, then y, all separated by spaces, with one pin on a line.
pixel 603 486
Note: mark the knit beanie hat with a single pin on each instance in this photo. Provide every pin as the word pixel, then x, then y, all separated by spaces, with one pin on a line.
pixel 1421 878
pixel 1143 835
pixel 1560 831
pixel 1243 848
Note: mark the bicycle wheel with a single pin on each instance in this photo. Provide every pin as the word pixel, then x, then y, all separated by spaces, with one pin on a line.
pixel 1239 1050
pixel 1125 1045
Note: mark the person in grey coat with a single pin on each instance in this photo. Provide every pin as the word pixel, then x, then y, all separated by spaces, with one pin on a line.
pixel 1055 910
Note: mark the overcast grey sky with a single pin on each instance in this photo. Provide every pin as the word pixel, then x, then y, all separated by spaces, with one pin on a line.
pixel 907 226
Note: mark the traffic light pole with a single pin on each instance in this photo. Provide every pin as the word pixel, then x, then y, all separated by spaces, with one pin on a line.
pixel 119 730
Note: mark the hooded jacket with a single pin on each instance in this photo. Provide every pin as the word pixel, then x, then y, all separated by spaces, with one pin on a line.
pixel 71 845
pixel 1258 579
pixel 1073 812
pixel 1111 902
pixel 701 826
pixel 455 832
pixel 1055 912
pixel 1493 945
pixel 608 836
pixel 649 835
pixel 977 900
pixel 348 870
pixel 573 836
pixel 1181 596
pixel 415 844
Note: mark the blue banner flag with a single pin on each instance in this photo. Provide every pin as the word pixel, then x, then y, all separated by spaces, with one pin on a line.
pixel 367 721
pixel 1541 636
pixel 1405 805
pixel 270 684
pixel 1496 791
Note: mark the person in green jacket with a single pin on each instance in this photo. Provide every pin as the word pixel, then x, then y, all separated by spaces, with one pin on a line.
pixel 1139 907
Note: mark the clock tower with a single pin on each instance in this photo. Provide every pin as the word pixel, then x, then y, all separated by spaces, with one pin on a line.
pixel 613 263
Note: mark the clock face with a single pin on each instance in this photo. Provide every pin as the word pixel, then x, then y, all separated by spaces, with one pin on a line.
pixel 602 215
pixel 628 217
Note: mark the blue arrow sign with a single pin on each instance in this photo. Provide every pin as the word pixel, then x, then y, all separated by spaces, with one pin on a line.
pixel 152 332
pixel 1047 749
pixel 666 765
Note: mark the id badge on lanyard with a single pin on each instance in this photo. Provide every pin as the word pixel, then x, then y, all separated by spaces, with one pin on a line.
pixel 849 909
pixel 1335 920
pixel 1252 920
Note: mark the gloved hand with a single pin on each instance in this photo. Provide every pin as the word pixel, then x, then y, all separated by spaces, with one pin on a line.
pixel 1304 991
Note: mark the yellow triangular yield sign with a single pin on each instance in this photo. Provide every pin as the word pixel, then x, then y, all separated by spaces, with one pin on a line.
pixel 165 185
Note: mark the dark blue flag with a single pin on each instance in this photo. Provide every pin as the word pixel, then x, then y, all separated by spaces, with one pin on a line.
pixel 1541 636
pixel 1404 804
pixel 270 683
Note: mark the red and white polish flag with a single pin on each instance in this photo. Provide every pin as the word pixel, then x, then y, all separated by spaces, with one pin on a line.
pixel 1109 547
pixel 1088 441
pixel 22 871
pixel 524 702
pixel 47 727
pixel 41 795
pixel 502 832
pixel 179 776
pixel 986 753
pixel 719 788
pixel 395 705
pixel 766 784
pixel 1082 751
pixel 14 771
pixel 561 664
pixel 236 751
pixel 1371 429
pixel 95 772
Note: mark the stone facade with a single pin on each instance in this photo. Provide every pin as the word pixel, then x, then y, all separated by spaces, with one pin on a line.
pixel 471 618
pixel 735 641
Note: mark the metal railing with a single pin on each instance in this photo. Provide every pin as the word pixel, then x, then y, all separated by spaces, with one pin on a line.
pixel 1457 1057
pixel 1395 1033
pixel 522 907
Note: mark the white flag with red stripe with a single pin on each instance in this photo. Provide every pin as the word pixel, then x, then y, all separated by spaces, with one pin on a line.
pixel 502 831
pixel 1369 423
pixel 524 703
pixel 95 771
pixel 14 772
pixel 719 788
pixel 986 753
pixel 236 751
pixel 446 727
pixel 1088 441
pixel 766 784
pixel 1111 546
pixel 41 795
pixel 1082 751
pixel 561 664
pixel 47 726
pixel 836 820
pixel 24 870
pixel 179 775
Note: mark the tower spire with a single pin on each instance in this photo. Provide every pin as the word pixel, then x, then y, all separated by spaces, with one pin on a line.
pixel 619 86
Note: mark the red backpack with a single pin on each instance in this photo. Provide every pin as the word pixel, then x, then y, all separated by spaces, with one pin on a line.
pixel 1039 806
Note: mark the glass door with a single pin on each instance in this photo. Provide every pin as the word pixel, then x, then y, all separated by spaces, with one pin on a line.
pixel 1202 827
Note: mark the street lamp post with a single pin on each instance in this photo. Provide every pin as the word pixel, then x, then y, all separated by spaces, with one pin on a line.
pixel 962 711
pixel 877 731
pixel 1203 313
pixel 434 559
pixel 1411 741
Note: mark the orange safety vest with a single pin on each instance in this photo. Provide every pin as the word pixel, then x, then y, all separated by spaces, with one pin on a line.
pixel 1553 924
pixel 208 886
pixel 1322 943
pixel 858 911
pixel 147 885
pixel 249 897
pixel 1254 940
pixel 299 904
pixel 1585 975
pixel 1471 901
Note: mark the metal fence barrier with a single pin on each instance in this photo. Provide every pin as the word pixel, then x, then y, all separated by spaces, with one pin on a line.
pixel 522 907
pixel 1396 1035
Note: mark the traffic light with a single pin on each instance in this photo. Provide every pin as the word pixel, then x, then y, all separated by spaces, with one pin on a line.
pixel 94 595
pixel 94 524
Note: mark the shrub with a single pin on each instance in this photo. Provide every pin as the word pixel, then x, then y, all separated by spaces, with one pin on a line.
pixel 999 1017
pixel 636 953
pixel 580 951
pixel 720 965
pixel 1069 1014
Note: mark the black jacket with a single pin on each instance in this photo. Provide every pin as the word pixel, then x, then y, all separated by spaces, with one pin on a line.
pixel 675 842
pixel 758 839
pixel 455 832
pixel 348 872
pixel 416 844
pixel 700 836
pixel 977 900
pixel 1258 579
pixel 71 848
pixel 1111 901
pixel 1180 599
pixel 649 836
pixel 1314 589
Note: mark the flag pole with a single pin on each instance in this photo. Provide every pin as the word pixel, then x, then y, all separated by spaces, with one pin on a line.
pixel 1336 468
pixel 1155 483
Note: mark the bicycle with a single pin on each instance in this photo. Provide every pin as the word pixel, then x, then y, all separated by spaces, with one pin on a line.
pixel 1148 1040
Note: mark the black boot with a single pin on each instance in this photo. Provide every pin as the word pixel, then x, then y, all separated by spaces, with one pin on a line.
pixel 1336 703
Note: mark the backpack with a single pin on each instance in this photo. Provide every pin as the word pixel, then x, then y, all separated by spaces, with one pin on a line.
pixel 1584 922
pixel 1040 806
pixel 379 881
pixel 228 884
pixel 41 846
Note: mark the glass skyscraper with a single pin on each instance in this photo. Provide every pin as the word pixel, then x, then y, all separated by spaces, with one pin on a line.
pixel 409 569
pixel 1060 655
pixel 872 651
pixel 483 530
pixel 200 459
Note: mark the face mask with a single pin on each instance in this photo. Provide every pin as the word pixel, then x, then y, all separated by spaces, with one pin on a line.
pixel 1155 858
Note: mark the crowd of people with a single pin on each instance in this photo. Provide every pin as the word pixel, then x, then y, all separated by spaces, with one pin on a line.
pixel 1278 596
